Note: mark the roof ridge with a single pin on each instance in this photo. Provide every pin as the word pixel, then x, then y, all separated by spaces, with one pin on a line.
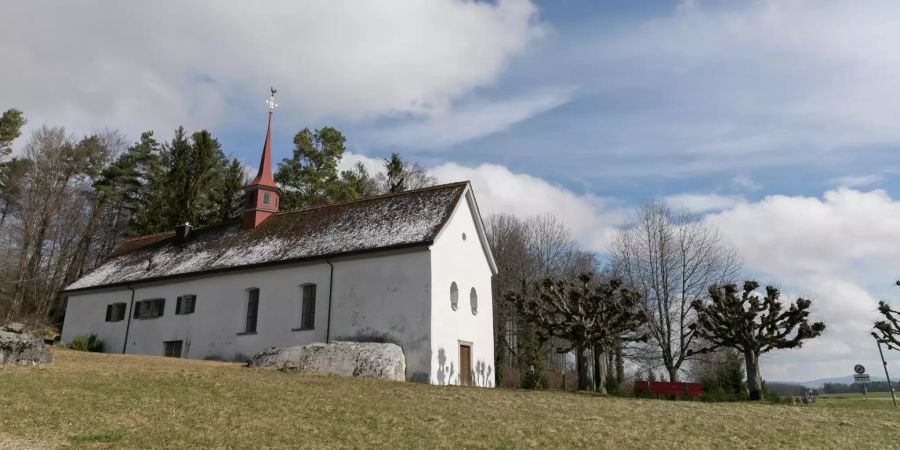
pixel 375 197
pixel 147 236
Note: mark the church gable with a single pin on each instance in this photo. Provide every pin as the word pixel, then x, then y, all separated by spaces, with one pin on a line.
pixel 385 222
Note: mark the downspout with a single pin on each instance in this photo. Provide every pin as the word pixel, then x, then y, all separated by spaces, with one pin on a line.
pixel 128 324
pixel 330 288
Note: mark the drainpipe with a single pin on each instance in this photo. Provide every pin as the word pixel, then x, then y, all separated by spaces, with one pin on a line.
pixel 128 324
pixel 330 288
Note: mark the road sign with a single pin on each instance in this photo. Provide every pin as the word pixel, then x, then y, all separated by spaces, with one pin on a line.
pixel 859 368
pixel 861 378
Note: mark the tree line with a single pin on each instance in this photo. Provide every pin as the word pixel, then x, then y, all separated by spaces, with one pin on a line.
pixel 67 202
pixel 667 298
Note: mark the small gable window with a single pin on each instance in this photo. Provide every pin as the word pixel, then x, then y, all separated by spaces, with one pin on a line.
pixel 454 296
pixel 252 310
pixel 115 312
pixel 185 304
pixel 149 309
pixel 308 307
pixel 473 300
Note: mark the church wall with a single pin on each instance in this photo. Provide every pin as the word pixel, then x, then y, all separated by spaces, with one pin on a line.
pixel 386 299
pixel 216 328
pixel 464 262
pixel 383 296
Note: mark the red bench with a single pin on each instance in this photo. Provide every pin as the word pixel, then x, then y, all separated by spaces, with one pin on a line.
pixel 668 388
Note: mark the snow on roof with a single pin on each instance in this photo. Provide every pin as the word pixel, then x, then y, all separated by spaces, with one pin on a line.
pixel 377 223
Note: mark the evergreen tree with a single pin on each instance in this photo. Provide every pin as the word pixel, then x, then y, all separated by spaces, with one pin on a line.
pixel 403 176
pixel 310 176
pixel 11 123
pixel 752 325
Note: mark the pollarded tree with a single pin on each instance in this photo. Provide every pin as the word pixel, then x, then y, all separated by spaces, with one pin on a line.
pixel 888 330
pixel 752 325
pixel 585 312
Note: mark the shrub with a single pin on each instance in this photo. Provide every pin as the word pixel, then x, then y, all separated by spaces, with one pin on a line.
pixel 86 343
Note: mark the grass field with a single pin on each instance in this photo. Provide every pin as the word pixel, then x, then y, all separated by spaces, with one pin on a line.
pixel 86 400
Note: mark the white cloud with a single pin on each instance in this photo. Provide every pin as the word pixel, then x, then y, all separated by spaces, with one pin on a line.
pixel 499 190
pixel 749 84
pixel 699 203
pixel 841 251
pixel 745 183
pixel 473 120
pixel 857 181
pixel 137 66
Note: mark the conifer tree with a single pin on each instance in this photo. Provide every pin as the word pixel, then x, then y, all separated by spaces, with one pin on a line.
pixel 752 325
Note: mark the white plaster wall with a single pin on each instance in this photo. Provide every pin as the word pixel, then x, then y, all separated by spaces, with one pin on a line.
pixel 383 293
pixel 387 297
pixel 462 261
pixel 213 330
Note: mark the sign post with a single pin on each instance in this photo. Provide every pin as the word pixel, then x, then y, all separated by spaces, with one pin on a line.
pixel 861 378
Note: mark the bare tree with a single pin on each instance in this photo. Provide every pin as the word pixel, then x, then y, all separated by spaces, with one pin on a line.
pixel 671 258
pixel 527 251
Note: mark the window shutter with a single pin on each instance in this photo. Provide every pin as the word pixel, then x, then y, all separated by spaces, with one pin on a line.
pixel 178 306
pixel 137 310
pixel 162 305
pixel 109 313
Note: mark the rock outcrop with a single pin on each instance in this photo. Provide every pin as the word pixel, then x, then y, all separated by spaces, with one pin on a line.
pixel 19 346
pixel 350 359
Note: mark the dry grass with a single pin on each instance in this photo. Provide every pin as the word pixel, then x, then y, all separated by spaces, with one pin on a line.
pixel 115 401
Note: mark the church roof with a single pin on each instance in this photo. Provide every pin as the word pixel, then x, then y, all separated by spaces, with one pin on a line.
pixel 385 222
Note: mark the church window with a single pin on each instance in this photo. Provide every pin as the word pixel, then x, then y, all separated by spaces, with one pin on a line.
pixel 454 296
pixel 185 304
pixel 266 197
pixel 149 309
pixel 473 300
pixel 115 312
pixel 308 307
pixel 252 310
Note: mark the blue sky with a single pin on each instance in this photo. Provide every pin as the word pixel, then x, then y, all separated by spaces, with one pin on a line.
pixel 777 122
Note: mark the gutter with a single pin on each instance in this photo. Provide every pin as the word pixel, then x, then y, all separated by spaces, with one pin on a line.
pixel 128 324
pixel 330 289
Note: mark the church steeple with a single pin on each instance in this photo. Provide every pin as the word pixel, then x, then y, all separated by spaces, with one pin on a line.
pixel 261 194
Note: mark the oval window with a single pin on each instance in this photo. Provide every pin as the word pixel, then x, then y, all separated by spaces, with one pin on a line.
pixel 473 299
pixel 464 236
pixel 454 296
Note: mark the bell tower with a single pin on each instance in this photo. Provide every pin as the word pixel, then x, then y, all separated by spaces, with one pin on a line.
pixel 261 194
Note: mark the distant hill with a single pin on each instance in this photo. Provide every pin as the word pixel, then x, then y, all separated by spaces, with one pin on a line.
pixel 844 380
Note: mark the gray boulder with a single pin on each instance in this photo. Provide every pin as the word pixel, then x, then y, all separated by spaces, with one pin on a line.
pixel 20 346
pixel 349 359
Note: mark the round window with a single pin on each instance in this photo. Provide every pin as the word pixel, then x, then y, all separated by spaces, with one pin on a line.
pixel 473 299
pixel 454 296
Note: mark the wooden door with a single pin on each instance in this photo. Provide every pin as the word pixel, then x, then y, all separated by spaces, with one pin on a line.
pixel 465 364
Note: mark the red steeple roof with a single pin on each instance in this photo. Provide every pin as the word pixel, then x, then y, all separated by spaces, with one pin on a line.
pixel 264 177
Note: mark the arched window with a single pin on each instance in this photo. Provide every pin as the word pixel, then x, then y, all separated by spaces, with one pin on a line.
pixel 473 299
pixel 454 296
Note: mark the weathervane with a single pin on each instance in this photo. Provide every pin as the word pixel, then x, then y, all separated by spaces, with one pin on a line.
pixel 270 102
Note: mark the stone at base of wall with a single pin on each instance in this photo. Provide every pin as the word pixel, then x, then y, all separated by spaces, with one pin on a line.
pixel 19 346
pixel 349 359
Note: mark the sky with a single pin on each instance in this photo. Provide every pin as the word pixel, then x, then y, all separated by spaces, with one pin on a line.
pixel 777 122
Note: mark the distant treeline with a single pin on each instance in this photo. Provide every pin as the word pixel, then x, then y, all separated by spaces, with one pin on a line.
pixel 841 388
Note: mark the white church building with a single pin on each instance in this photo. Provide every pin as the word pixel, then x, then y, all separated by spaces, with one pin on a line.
pixel 412 268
